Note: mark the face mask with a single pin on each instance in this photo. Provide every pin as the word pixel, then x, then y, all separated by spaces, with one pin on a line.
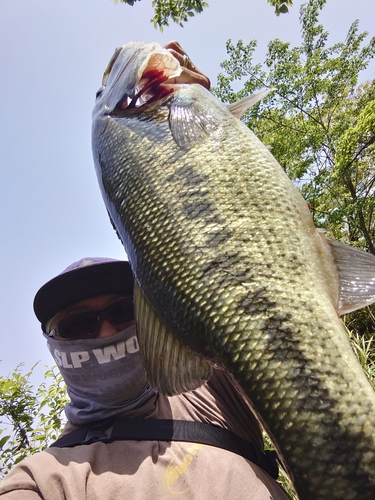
pixel 104 376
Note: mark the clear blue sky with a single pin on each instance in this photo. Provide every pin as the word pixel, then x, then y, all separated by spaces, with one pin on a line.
pixel 52 57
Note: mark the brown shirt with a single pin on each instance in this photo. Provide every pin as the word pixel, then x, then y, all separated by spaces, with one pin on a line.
pixel 154 469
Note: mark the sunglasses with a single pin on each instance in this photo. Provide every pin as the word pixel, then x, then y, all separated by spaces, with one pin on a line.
pixel 83 324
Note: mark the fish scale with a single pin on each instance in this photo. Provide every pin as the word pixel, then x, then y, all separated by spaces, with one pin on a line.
pixel 224 250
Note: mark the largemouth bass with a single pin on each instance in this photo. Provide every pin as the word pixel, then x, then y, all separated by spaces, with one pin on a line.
pixel 230 269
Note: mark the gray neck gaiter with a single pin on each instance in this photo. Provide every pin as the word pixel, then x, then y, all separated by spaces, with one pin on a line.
pixel 104 376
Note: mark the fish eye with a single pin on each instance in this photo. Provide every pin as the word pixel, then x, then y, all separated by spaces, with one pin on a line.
pixel 110 65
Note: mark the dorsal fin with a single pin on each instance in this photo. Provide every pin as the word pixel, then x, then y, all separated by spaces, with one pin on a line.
pixel 238 108
pixel 356 270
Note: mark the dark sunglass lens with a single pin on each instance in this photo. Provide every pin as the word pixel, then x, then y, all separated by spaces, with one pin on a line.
pixel 121 311
pixel 78 325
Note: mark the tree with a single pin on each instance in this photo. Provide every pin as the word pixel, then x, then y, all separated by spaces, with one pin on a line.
pixel 30 418
pixel 320 124
pixel 179 11
pixel 319 121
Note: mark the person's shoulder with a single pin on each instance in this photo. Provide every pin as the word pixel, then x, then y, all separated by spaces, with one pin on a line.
pixel 21 476
pixel 69 427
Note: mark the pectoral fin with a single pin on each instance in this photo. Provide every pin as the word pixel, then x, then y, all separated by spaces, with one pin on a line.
pixel 190 122
pixel 356 270
pixel 171 367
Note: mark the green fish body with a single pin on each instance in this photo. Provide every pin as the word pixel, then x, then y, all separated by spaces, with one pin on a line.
pixel 228 263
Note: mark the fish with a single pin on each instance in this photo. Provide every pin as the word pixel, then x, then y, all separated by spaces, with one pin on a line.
pixel 230 270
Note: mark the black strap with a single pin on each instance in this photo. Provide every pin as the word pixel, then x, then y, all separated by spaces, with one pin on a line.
pixel 172 430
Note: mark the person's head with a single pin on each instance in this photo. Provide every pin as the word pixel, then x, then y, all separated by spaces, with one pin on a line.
pixel 67 305
pixel 87 317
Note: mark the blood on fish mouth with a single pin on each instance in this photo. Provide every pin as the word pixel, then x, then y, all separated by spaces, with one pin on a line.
pixel 151 90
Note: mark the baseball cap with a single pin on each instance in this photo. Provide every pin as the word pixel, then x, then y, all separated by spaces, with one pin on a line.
pixel 88 277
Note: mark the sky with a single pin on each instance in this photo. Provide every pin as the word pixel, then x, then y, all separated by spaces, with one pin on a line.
pixel 52 57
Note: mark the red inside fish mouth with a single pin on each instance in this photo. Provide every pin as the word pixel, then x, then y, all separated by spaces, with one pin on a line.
pixel 152 87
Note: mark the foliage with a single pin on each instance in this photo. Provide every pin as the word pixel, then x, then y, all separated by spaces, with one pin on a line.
pixel 364 349
pixel 281 6
pixel 30 418
pixel 179 11
pixel 283 478
pixel 319 121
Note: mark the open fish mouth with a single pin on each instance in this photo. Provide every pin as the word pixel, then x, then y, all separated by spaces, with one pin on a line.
pixel 153 87
pixel 132 85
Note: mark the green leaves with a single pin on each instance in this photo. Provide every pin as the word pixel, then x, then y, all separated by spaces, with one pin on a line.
pixel 30 418
pixel 320 122
pixel 281 6
pixel 179 11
